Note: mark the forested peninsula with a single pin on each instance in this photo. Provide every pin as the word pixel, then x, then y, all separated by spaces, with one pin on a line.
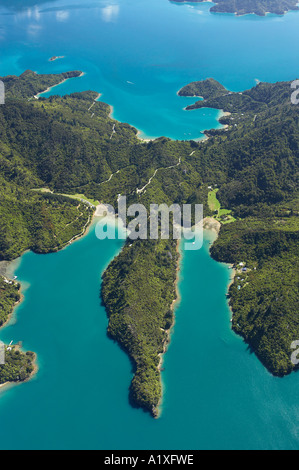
pixel 245 175
pixel 245 7
pixel 18 366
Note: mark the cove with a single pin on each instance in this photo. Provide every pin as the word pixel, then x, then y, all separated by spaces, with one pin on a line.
pixel 214 389
pixel 139 54
pixel 216 393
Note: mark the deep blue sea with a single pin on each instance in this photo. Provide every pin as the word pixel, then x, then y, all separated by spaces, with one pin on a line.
pixel 217 395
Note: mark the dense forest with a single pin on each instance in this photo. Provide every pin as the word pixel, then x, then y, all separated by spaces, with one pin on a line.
pixel 244 7
pixel 9 296
pixel 140 323
pixel 255 100
pixel 70 145
pixel 262 147
pixel 18 365
pixel 254 164
pixel 30 84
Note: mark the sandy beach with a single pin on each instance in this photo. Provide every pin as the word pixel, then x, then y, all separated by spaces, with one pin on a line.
pixel 5 385
pixel 209 223
pixel 100 209
pixel 4 266
pixel 138 135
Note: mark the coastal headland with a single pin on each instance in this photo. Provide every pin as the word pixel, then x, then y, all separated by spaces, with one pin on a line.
pixel 234 174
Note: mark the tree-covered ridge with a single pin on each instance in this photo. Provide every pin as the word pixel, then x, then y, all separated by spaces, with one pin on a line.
pixel 69 145
pixel 254 162
pixel 30 84
pixel 138 291
pixel 257 99
pixel 72 146
pixel 40 146
pixel 245 7
pixel 260 150
pixel 264 295
pixel 41 223
pixel 260 186
pixel 205 89
pixel 9 296
pixel 18 365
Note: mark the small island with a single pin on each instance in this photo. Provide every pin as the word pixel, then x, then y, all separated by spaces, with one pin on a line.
pixel 247 7
pixel 55 57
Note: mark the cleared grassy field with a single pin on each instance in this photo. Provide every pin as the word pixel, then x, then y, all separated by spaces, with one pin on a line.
pixel 222 215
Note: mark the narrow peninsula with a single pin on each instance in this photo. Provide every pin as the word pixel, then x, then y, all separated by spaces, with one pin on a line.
pixel 243 174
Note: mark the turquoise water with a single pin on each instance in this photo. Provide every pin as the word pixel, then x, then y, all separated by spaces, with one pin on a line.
pixel 216 393
pixel 155 45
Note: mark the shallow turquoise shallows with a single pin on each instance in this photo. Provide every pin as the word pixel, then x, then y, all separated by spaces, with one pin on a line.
pixel 217 395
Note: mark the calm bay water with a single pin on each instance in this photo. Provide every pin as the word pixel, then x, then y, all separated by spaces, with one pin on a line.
pixel 216 394
pixel 139 53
